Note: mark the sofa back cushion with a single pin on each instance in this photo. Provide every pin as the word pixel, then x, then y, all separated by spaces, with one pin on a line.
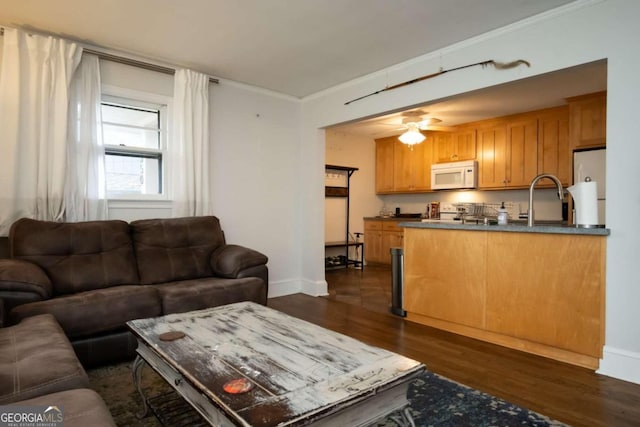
pixel 78 256
pixel 175 248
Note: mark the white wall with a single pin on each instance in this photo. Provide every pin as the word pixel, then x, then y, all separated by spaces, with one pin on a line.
pixel 579 33
pixel 255 139
pixel 254 164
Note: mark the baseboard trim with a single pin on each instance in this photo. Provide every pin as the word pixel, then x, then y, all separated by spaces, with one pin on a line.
pixel 621 364
pixel 283 287
pixel 315 289
pixel 288 287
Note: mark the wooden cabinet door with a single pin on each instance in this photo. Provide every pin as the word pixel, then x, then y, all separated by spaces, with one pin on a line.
pixel 554 150
pixel 373 241
pixel 403 165
pixel 443 147
pixel 588 120
pixel 445 273
pixel 492 144
pixel 464 143
pixel 422 159
pixel 392 237
pixel 542 289
pixel 522 152
pixel 384 165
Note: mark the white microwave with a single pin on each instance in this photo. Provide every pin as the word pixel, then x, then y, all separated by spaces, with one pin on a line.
pixel 454 175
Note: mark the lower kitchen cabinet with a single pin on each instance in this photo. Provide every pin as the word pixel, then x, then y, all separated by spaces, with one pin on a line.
pixel 379 237
pixel 535 292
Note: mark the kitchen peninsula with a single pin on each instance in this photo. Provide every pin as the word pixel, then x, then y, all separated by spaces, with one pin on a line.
pixel 537 289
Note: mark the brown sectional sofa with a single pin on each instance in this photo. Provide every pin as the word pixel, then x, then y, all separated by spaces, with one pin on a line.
pixel 95 276
pixel 39 368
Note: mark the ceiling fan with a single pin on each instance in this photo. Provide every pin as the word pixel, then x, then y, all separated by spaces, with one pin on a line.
pixel 413 122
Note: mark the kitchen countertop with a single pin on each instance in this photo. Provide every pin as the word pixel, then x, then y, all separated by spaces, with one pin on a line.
pixel 391 218
pixel 511 227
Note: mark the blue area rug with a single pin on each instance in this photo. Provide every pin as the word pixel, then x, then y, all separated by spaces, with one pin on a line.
pixel 434 401
pixel 438 401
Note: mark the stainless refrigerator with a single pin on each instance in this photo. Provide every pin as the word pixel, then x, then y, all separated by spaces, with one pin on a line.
pixel 592 164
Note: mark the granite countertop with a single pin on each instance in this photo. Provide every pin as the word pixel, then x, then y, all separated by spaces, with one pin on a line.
pixel 391 218
pixel 511 227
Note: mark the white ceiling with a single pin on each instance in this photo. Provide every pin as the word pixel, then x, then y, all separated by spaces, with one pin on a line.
pixel 295 47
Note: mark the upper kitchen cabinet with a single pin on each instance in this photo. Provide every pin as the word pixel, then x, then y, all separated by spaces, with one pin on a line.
pixel 515 149
pixel 384 164
pixel 401 168
pixel 455 146
pixel 588 121
pixel 522 151
pixel 492 154
pixel 554 150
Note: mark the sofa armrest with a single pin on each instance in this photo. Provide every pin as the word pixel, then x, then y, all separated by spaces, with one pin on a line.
pixel 230 260
pixel 24 277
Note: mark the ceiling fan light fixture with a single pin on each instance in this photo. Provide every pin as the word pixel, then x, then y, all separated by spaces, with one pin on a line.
pixel 412 136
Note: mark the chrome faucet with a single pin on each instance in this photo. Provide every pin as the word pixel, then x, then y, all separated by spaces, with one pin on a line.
pixel 534 181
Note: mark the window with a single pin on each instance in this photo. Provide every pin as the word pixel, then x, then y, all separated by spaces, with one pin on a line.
pixel 134 136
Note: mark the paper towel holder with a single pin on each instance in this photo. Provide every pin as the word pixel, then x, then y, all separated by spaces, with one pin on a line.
pixel 586 179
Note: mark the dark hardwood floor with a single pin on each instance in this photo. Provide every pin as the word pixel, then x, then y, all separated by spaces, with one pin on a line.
pixel 357 306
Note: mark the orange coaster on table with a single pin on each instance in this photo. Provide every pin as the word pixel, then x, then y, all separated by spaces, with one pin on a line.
pixel 237 386
pixel 171 336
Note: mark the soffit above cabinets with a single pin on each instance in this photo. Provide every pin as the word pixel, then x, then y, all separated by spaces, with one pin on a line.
pixel 534 93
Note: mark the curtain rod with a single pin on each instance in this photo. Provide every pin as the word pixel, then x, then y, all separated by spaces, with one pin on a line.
pixel 136 63
pixel 129 61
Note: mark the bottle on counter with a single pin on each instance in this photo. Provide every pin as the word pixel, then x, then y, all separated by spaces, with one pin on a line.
pixel 503 215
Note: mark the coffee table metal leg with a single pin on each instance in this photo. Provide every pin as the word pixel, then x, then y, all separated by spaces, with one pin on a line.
pixel 405 419
pixel 136 370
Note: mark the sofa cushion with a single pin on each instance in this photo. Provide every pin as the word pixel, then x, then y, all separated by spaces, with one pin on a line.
pixel 94 312
pixel 197 294
pixel 175 248
pixel 80 408
pixel 36 359
pixel 77 256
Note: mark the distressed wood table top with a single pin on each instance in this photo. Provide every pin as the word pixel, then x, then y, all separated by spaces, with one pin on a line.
pixel 300 372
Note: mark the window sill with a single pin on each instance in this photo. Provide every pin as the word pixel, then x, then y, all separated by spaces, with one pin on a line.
pixel 139 204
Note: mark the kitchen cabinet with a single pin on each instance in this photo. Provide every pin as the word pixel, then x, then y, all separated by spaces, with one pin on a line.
pixel 535 292
pixel 521 151
pixel 379 237
pixel 517 148
pixel 385 165
pixel 412 167
pixel 401 168
pixel 455 146
pixel 492 155
pixel 373 241
pixel 588 121
pixel 554 149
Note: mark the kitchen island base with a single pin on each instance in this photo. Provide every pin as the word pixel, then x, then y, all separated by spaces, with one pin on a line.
pixel 542 293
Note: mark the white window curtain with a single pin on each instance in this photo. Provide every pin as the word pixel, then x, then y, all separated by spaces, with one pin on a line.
pixel 34 82
pixel 85 190
pixel 189 145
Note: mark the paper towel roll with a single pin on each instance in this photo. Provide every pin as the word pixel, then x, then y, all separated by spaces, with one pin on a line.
pixel 585 198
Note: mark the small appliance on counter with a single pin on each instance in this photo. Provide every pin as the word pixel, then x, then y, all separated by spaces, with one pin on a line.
pixel 446 213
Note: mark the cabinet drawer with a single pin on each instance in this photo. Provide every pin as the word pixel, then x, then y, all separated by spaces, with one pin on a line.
pixel 391 226
pixel 373 226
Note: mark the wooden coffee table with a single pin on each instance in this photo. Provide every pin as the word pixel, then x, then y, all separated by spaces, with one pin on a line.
pixel 298 373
